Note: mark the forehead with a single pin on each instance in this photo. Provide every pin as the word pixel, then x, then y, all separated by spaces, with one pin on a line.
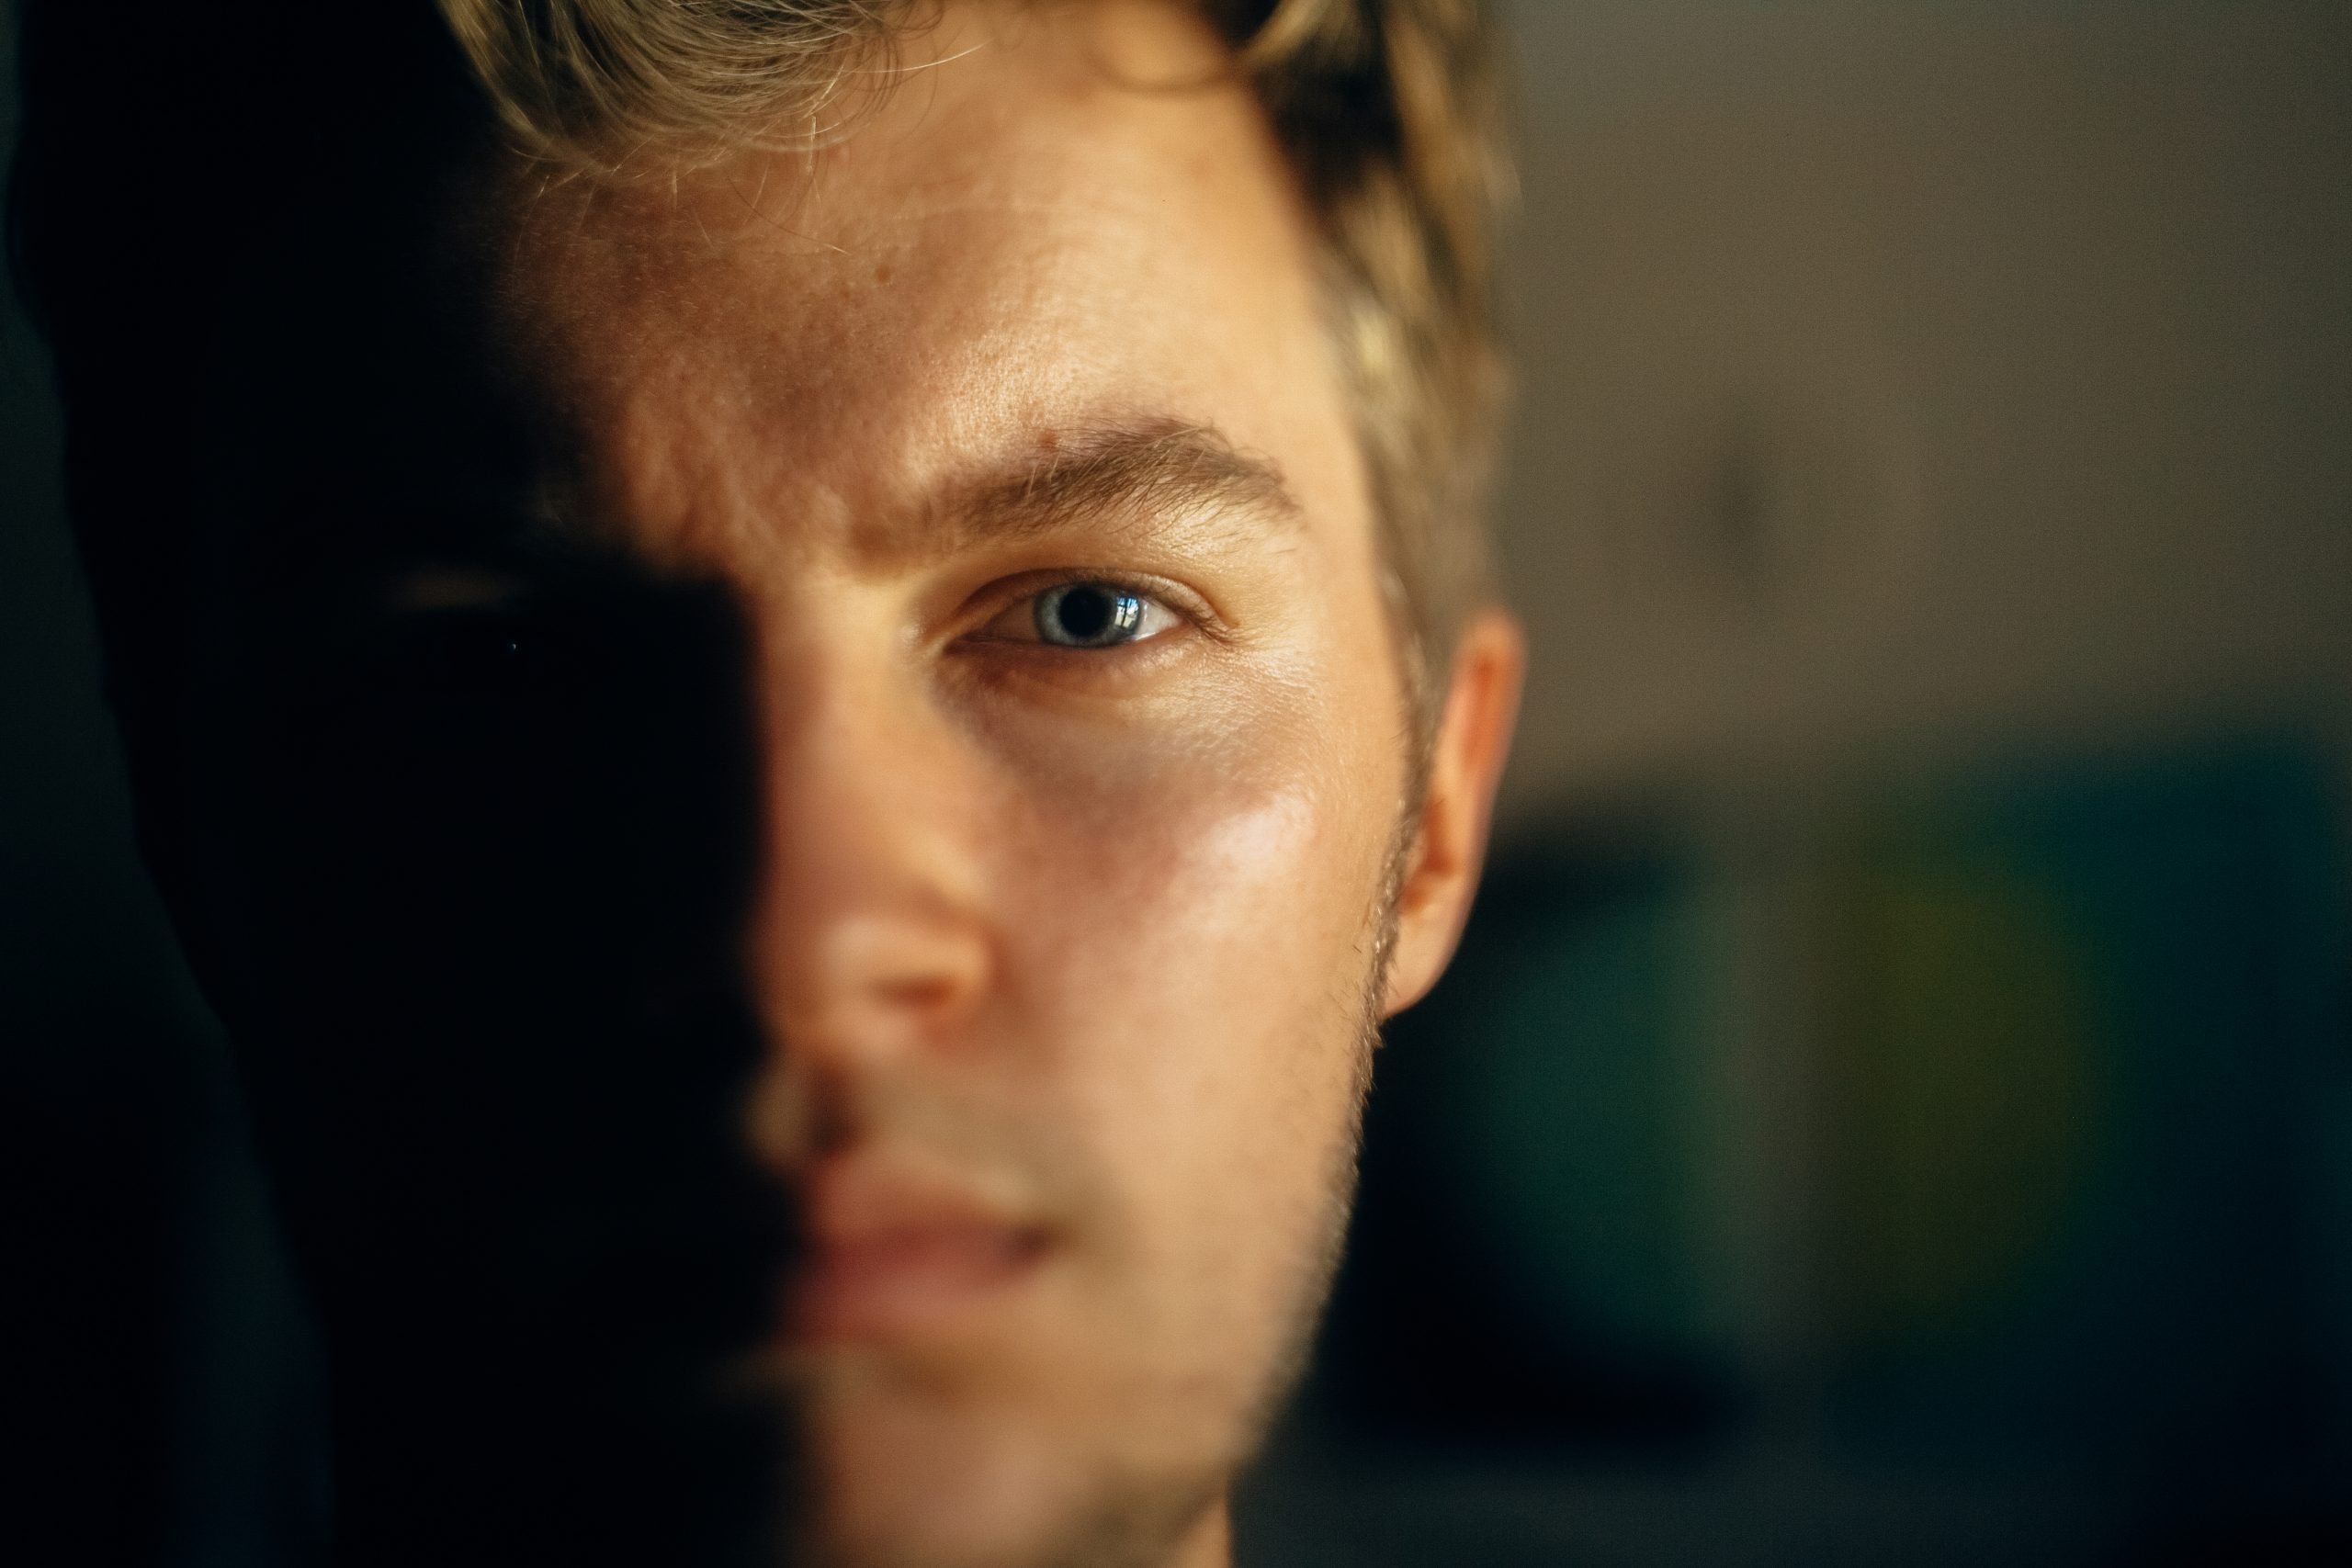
pixel 1048 221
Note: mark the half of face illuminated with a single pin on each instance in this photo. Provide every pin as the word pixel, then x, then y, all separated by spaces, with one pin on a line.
pixel 1008 428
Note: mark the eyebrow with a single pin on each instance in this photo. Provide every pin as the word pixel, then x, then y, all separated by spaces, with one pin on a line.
pixel 1111 477
pixel 1134 471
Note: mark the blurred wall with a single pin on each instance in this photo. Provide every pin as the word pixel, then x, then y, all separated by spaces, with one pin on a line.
pixel 1924 377
pixel 1893 1105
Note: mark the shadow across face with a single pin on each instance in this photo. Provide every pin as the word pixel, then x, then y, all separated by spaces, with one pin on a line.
pixel 458 820
pixel 475 820
pixel 491 858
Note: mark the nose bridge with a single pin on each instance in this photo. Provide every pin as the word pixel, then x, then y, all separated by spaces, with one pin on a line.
pixel 868 935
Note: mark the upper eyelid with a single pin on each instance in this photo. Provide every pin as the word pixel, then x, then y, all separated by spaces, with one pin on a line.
pixel 1189 602
pixel 448 589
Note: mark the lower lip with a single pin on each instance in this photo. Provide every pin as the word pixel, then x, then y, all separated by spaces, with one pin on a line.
pixel 906 1284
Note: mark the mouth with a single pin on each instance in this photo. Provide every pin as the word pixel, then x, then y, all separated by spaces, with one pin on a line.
pixel 891 1254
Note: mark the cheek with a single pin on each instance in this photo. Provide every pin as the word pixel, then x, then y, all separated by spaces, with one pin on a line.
pixel 1187 928
pixel 1181 867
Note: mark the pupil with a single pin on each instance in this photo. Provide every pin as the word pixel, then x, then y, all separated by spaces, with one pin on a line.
pixel 1085 613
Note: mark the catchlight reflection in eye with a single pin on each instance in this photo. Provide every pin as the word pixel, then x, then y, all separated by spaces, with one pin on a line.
pixel 1089 614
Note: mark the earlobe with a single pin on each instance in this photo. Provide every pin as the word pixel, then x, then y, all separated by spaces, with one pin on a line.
pixel 1466 760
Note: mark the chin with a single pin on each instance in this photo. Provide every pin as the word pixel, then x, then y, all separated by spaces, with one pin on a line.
pixel 907 1470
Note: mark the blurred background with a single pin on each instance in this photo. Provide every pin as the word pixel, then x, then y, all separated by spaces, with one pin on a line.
pixel 1894 1103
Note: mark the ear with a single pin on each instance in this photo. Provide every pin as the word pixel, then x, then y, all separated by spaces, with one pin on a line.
pixel 1450 832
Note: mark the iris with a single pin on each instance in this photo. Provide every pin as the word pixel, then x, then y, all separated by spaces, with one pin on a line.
pixel 1087 614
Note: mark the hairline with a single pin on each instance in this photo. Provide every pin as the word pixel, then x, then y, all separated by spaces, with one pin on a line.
pixel 1423 646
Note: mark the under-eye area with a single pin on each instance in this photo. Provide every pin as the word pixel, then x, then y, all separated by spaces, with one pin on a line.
pixel 431 655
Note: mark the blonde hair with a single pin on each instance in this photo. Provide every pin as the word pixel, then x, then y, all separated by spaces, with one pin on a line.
pixel 132 110
pixel 1387 108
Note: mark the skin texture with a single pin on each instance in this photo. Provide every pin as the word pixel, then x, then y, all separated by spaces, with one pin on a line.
pixel 1081 945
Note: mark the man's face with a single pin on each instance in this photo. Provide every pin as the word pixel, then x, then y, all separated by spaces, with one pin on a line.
pixel 1063 951
pixel 1073 751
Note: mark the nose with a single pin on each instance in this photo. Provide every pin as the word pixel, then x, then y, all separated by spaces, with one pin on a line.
pixel 868 946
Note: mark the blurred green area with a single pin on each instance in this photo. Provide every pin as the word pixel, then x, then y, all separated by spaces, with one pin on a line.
pixel 1968 1148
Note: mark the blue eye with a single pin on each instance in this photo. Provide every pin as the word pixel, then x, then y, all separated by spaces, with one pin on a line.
pixel 1087 614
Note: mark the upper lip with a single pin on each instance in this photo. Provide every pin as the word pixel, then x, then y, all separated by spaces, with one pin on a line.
pixel 898 1247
